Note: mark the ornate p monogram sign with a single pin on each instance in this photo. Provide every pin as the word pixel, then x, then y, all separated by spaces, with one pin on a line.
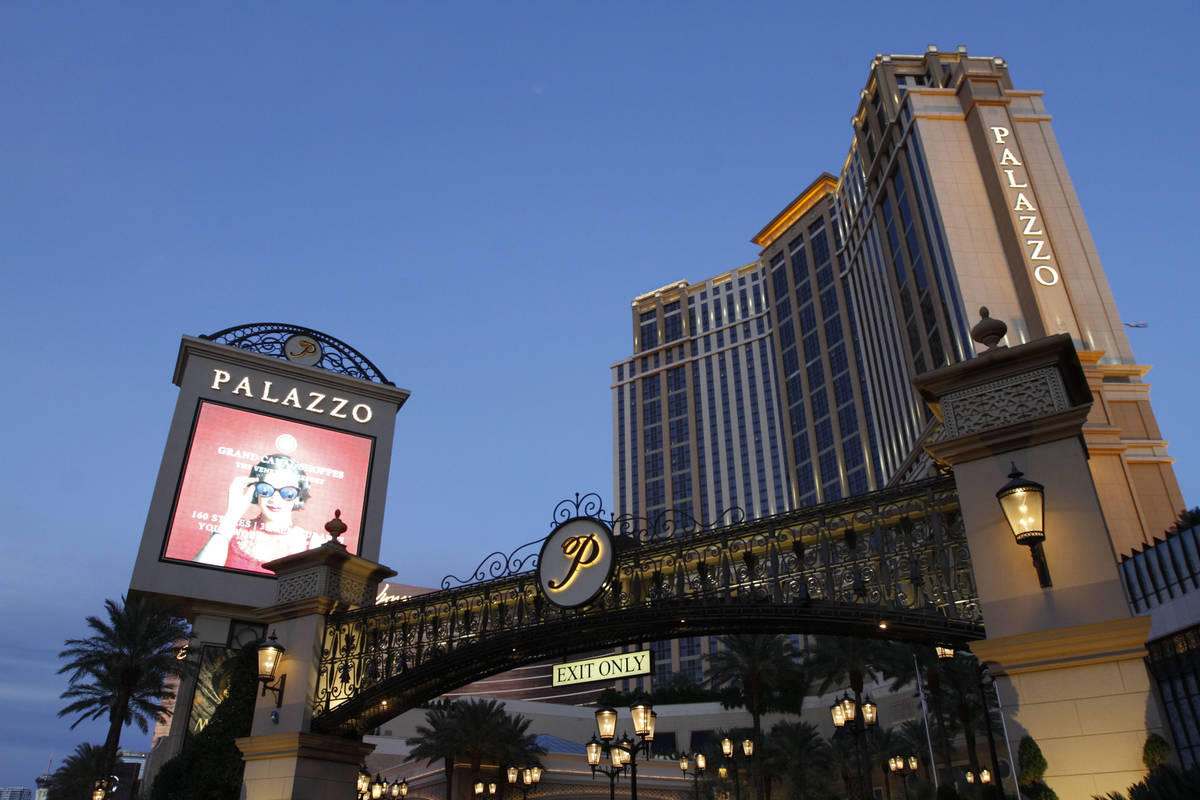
pixel 583 551
pixel 576 562
pixel 303 350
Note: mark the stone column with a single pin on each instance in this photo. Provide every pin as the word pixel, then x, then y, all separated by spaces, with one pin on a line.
pixel 1067 658
pixel 284 759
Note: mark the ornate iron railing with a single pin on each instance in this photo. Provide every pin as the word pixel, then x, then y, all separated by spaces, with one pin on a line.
pixel 897 557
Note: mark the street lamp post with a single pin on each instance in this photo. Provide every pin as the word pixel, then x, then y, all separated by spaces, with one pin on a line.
pixel 846 711
pixel 701 764
pixel 528 777
pixel 984 777
pixel 998 791
pixel 728 750
pixel 903 767
pixel 616 757
pixel 644 720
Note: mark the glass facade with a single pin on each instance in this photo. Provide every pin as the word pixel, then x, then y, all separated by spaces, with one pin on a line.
pixel 828 424
pixel 899 274
pixel 697 426
pixel 755 397
pixel 1175 663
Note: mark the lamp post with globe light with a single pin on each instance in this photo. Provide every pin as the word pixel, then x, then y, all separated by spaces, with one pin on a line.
pixel 644 719
pixel 728 749
pixel 528 777
pixel 701 764
pixel 845 712
pixel 903 766
pixel 616 757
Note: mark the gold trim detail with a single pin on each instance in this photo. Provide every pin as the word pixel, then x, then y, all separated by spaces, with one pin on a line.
pixel 1115 640
pixel 818 189
pixel 303 745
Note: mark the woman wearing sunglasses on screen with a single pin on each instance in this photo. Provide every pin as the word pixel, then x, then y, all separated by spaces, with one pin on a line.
pixel 279 487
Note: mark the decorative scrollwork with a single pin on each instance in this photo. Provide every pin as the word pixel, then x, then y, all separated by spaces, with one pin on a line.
pixel 499 565
pixel 586 505
pixel 900 554
pixel 268 338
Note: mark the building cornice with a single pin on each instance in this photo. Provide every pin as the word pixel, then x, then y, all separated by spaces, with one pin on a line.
pixel 299 744
pixel 818 189
pixel 1114 640
pixel 1007 398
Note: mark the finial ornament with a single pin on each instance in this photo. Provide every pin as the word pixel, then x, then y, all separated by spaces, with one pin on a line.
pixel 335 527
pixel 988 332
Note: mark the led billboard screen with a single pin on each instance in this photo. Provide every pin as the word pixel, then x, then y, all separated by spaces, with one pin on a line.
pixel 257 487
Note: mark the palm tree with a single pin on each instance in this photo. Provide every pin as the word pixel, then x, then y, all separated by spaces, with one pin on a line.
pixel 437 739
pixel 473 730
pixel 481 724
pixel 761 670
pixel 77 775
pixel 1188 518
pixel 118 671
pixel 843 756
pixel 964 675
pixel 800 754
pixel 516 746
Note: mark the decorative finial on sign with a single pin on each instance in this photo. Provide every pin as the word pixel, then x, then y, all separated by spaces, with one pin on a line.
pixel 335 528
pixel 988 332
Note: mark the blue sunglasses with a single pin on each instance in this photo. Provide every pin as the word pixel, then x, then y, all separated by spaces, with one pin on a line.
pixel 264 489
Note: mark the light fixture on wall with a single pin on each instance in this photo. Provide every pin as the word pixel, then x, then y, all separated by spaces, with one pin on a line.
pixel 103 788
pixel 1023 503
pixel 270 653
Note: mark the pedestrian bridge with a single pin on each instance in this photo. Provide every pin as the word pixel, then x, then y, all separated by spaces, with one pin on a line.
pixel 891 564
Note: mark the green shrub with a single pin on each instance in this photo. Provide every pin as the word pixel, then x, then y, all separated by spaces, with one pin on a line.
pixel 1033 769
pixel 209 767
pixel 1033 763
pixel 1155 752
pixel 1165 783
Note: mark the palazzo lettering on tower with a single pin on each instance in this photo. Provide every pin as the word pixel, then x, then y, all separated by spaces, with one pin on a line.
pixel 1022 204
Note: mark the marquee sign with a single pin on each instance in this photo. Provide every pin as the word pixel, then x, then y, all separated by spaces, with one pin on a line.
pixel 276 430
pixel 256 487
pixel 603 668
pixel 576 562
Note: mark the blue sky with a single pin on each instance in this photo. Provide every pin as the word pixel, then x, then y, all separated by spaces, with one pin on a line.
pixel 470 194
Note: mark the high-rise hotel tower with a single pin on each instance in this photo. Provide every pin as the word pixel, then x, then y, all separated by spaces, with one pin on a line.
pixel 788 381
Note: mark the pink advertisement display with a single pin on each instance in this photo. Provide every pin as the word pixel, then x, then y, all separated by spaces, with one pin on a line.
pixel 257 487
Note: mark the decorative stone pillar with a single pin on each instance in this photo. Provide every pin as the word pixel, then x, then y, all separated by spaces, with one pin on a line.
pixel 284 760
pixel 1068 657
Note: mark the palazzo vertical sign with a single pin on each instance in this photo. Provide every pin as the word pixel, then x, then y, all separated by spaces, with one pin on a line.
pixel 1030 228
pixel 1029 237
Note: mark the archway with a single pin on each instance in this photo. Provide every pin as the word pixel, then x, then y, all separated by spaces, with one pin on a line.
pixel 892 564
